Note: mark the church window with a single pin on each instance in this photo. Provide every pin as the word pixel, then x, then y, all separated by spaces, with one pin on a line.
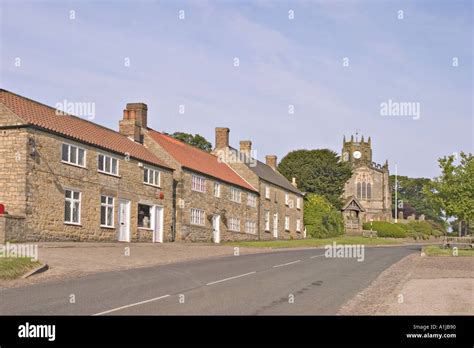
pixel 364 186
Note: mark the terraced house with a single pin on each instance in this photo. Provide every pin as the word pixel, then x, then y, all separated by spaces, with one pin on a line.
pixel 212 201
pixel 281 203
pixel 65 178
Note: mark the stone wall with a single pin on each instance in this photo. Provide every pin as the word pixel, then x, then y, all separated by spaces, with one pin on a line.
pixel 47 177
pixel 223 206
pixel 12 228
pixel 13 162
pixel 276 205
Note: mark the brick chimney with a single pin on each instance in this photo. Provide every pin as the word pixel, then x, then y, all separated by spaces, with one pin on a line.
pixel 246 146
pixel 271 161
pixel 134 119
pixel 222 137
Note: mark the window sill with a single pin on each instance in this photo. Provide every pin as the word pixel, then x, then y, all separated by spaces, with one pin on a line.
pixel 109 174
pixel 73 224
pixel 155 186
pixel 145 228
pixel 108 227
pixel 198 191
pixel 73 164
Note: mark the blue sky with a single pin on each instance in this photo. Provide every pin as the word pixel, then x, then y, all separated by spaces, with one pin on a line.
pixel 283 62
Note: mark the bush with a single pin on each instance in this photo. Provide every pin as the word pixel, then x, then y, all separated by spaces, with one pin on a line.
pixel 386 229
pixel 321 219
pixel 415 229
pixel 426 228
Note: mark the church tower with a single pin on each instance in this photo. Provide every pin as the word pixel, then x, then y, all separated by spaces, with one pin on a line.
pixel 367 194
pixel 357 152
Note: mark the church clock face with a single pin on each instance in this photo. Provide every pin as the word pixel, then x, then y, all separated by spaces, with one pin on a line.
pixel 357 154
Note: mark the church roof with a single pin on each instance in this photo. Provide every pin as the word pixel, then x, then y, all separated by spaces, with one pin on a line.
pixel 352 202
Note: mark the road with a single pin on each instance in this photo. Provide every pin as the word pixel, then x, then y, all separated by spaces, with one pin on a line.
pixel 290 282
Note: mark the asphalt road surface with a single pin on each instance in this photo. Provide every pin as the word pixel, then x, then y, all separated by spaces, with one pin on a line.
pixel 284 282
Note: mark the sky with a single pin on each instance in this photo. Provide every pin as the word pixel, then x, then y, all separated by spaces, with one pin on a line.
pixel 308 72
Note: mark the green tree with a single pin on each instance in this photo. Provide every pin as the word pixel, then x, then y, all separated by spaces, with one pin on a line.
pixel 453 190
pixel 317 171
pixel 321 219
pixel 411 192
pixel 194 140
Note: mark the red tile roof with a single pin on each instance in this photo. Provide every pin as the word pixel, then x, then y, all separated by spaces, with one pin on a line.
pixel 198 160
pixel 46 117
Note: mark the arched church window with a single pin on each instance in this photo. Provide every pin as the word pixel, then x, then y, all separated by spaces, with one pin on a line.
pixel 364 186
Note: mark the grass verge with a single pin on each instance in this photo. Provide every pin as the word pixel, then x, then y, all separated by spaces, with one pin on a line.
pixel 435 250
pixel 313 242
pixel 15 267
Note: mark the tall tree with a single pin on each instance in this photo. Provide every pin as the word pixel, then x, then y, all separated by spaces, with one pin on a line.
pixel 453 190
pixel 194 140
pixel 317 171
pixel 411 192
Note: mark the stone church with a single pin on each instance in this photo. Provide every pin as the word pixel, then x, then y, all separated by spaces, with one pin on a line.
pixel 367 194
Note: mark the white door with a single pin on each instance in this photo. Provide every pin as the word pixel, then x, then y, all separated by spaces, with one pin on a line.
pixel 124 221
pixel 216 230
pixel 158 231
pixel 275 225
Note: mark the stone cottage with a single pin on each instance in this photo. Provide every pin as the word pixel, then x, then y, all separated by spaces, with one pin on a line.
pixel 281 203
pixel 65 178
pixel 212 202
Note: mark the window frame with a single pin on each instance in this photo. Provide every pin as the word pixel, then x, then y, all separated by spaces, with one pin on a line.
pixel 217 190
pixel 111 158
pixel 68 161
pixel 152 216
pixel 150 169
pixel 251 200
pixel 267 192
pixel 250 227
pixel 234 221
pixel 203 217
pixel 72 200
pixel 201 184
pixel 107 205
pixel 233 192
pixel 287 223
pixel 298 225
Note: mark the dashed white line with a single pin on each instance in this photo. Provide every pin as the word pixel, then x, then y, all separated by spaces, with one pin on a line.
pixel 286 264
pixel 237 276
pixel 131 305
pixel 312 257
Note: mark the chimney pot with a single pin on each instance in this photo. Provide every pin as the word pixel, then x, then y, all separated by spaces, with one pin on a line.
pixel 293 182
pixel 134 120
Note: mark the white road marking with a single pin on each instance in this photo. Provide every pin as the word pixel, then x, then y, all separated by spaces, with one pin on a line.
pixel 131 305
pixel 286 264
pixel 312 257
pixel 238 276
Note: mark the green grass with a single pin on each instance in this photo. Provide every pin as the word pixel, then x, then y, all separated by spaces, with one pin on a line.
pixel 313 242
pixel 435 250
pixel 14 267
